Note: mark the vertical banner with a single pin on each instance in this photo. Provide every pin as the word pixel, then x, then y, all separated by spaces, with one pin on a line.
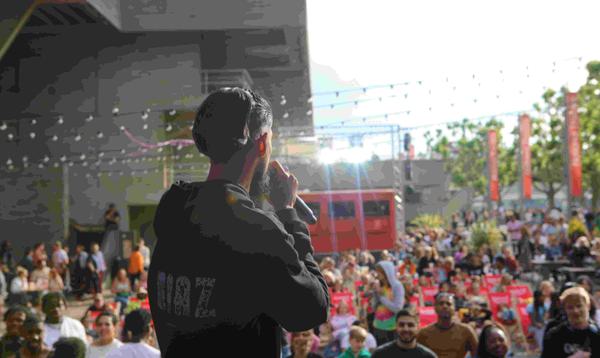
pixel 574 147
pixel 524 134
pixel 493 165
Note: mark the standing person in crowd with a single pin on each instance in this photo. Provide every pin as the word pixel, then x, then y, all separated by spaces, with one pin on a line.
pixel 407 325
pixel 6 255
pixel 145 251
pixel 78 268
pixel 136 334
pixel 447 337
pixel 39 253
pixel 493 342
pixel 389 299
pixel 27 260
pixel 58 325
pixel 215 224
pixel 111 218
pixel 537 316
pixel 106 327
pixel 578 337
pixel 92 277
pixel 33 345
pixel 60 259
pixel 136 265
pixel 12 341
pixel 98 258
pixel 357 339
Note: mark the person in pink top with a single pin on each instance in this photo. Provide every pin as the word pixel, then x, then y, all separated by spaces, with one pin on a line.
pixel 342 320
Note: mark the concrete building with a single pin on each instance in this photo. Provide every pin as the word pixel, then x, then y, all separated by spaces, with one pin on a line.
pixel 86 86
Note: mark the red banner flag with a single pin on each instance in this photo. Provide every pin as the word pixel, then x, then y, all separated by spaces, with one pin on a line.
pixel 493 165
pixel 524 134
pixel 574 147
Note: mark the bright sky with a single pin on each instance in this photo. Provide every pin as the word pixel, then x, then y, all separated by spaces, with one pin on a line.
pixel 473 58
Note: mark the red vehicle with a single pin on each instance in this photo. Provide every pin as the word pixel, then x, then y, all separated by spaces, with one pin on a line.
pixel 352 219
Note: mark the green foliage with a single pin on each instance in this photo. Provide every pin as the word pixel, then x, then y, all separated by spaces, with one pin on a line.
pixel 589 105
pixel 428 221
pixel 547 159
pixel 485 232
pixel 466 157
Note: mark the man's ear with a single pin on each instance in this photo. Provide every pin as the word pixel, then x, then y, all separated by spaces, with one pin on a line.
pixel 262 144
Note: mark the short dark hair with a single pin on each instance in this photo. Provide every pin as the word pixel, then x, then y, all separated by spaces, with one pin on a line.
pixel 442 294
pixel 109 314
pixel 69 347
pixel 407 313
pixel 226 119
pixel 16 309
pixel 57 295
pixel 31 320
pixel 138 323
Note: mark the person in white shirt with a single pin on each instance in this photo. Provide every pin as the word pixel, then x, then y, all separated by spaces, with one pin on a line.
pixel 145 251
pixel 106 324
pixel 136 333
pixel 58 325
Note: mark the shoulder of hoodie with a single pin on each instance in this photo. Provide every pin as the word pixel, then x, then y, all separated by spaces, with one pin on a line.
pixel 260 231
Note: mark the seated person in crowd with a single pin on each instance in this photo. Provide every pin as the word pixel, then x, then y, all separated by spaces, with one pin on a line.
pixel 357 349
pixel 578 336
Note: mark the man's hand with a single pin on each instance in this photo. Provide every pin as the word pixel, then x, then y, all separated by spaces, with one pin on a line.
pixel 284 187
pixel 580 354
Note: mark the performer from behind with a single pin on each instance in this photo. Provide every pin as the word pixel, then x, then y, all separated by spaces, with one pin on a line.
pixel 225 275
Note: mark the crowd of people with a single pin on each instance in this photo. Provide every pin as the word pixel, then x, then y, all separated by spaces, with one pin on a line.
pixel 379 299
pixel 435 290
pixel 34 297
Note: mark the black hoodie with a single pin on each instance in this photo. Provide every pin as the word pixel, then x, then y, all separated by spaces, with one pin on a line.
pixel 225 276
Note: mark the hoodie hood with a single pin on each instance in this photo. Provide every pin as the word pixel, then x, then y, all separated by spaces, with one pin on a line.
pixel 390 272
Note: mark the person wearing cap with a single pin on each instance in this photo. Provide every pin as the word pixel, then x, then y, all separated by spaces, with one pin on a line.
pixel 224 269
pixel 578 337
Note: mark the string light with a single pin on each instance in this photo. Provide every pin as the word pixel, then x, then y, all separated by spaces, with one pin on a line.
pixel 78 138
pixel 60 120
pixel 54 138
pixel 3 126
pixel 115 111
pixel 32 135
pixel 89 118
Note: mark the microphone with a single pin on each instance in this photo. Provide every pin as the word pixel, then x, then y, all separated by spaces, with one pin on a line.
pixel 304 211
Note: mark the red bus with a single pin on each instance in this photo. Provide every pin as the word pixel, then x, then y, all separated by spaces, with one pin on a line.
pixel 352 219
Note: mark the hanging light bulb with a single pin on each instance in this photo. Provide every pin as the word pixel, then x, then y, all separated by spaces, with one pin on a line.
pixel 148 110
pixel 122 128
pixel 46 159
pixel 101 154
pixel 309 100
pixel 179 147
pixel 77 138
pixel 82 157
pixel 33 122
pixel 160 149
pixel 3 126
pixel 145 126
pixel 309 112
pixel 286 115
pixel 41 166
pixel 60 120
pixel 32 135
pixel 99 135
pixel 63 158
pixel 71 164
pixel 88 175
pixel 89 118
pixel 115 111
pixel 9 161
pixel 25 159
pixel 122 151
pixel 54 138
pixel 169 128
pixel 172 112
pixel 85 164
pixel 283 100
pixel 55 164
pixel 144 116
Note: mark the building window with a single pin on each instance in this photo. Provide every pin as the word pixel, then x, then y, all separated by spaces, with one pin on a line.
pixel 343 209
pixel 376 208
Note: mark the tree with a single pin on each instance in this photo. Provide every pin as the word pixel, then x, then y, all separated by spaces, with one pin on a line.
pixel 589 105
pixel 466 157
pixel 547 157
